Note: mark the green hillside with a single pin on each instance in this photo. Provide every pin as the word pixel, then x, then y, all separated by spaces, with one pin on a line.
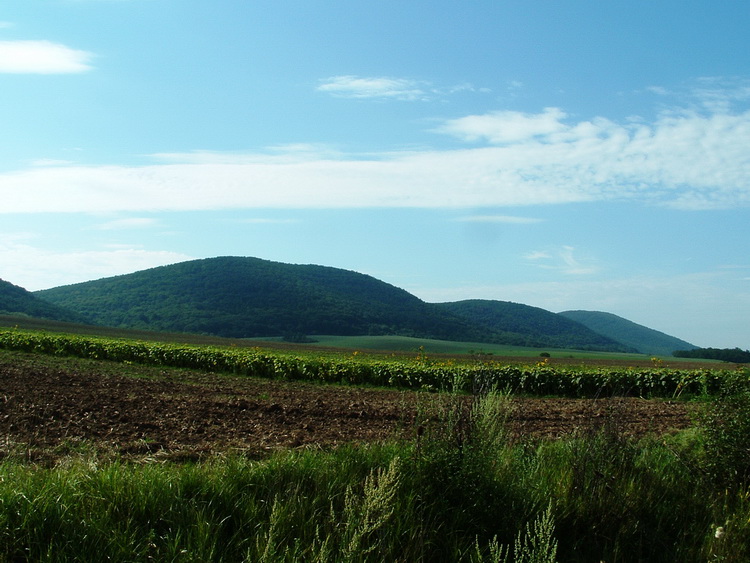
pixel 240 297
pixel 16 300
pixel 250 297
pixel 645 340
pixel 523 325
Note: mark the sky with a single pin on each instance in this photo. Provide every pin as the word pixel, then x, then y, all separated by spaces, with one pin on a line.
pixel 571 154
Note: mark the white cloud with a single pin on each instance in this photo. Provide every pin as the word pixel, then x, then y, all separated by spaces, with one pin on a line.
pixel 715 94
pixel 538 255
pixel 563 260
pixel 574 265
pixel 383 87
pixel 42 57
pixel 279 154
pixel 505 126
pixel 687 160
pixel 378 87
pixel 34 268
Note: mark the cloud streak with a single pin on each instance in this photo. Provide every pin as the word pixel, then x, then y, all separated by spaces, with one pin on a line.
pixel 388 88
pixel 380 87
pixel 562 260
pixel 42 57
pixel 685 160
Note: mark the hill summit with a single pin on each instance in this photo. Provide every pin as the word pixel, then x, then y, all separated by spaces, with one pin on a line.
pixel 250 297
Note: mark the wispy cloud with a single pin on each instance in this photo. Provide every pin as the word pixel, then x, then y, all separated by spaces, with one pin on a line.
pixel 538 255
pixel 563 260
pixel 379 87
pixel 38 268
pixel 574 265
pixel 686 160
pixel 42 57
pixel 279 154
pixel 709 93
pixel 383 87
pixel 503 127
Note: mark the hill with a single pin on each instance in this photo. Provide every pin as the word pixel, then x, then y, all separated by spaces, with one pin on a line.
pixel 523 325
pixel 250 297
pixel 645 340
pixel 240 297
pixel 16 300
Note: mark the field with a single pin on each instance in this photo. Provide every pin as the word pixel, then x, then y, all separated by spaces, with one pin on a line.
pixel 191 450
pixel 50 404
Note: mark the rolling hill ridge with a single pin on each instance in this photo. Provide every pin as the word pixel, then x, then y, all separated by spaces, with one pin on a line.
pixel 645 340
pixel 524 325
pixel 250 297
pixel 245 297
pixel 16 300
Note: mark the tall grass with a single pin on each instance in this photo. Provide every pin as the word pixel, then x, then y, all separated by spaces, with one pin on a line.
pixel 461 490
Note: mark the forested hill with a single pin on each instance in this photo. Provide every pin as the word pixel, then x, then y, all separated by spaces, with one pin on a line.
pixel 16 300
pixel 645 340
pixel 250 297
pixel 524 325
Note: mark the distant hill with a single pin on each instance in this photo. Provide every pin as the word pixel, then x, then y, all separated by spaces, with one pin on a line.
pixel 250 297
pixel 16 300
pixel 645 340
pixel 524 325
pixel 241 297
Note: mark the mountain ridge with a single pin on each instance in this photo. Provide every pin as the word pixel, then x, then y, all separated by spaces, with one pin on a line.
pixel 644 339
pixel 17 300
pixel 251 297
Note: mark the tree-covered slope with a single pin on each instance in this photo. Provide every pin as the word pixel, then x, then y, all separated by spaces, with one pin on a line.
pixel 15 300
pixel 247 297
pixel 645 340
pixel 524 325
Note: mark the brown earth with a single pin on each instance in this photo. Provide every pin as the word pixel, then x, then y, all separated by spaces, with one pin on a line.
pixel 52 407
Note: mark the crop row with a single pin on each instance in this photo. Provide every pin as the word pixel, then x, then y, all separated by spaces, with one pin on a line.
pixel 538 379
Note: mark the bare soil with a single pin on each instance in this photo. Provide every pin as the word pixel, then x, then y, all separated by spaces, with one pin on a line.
pixel 50 407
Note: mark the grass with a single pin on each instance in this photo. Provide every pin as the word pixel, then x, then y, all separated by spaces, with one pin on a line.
pixel 461 491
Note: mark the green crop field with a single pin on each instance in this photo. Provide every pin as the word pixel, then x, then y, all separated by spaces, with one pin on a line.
pixel 417 372
pixel 461 489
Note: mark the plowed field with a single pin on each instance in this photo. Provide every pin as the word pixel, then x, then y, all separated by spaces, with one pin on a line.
pixel 49 407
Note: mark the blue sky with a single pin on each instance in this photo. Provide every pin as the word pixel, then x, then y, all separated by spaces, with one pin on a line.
pixel 566 155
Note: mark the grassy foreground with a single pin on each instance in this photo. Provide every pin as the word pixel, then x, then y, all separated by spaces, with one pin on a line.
pixel 460 491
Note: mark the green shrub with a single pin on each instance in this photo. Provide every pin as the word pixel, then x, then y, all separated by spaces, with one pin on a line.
pixel 725 423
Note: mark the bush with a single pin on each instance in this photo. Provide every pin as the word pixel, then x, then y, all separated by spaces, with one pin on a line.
pixel 725 423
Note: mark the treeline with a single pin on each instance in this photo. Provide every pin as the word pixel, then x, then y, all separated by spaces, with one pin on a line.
pixel 734 355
